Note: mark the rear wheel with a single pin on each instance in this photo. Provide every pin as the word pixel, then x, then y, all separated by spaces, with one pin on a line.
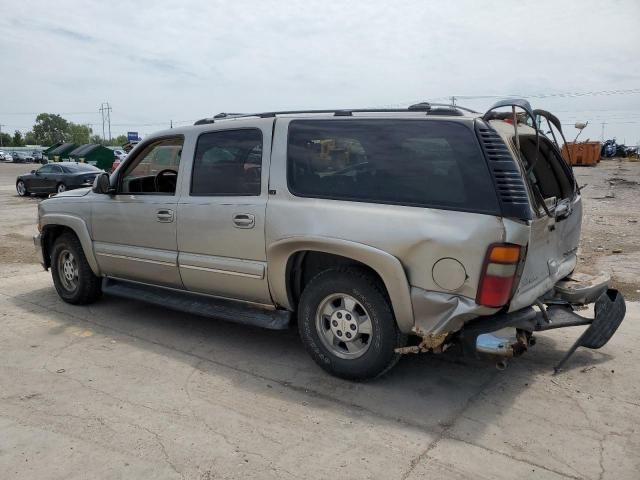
pixel 61 188
pixel 73 278
pixel 21 188
pixel 347 325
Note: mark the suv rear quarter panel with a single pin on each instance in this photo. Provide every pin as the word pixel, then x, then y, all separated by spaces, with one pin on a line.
pixel 417 237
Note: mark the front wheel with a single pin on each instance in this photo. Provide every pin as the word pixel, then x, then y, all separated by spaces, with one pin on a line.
pixel 347 325
pixel 73 278
pixel 61 188
pixel 21 188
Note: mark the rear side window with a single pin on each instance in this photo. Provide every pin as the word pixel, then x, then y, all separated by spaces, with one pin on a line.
pixel 228 162
pixel 407 162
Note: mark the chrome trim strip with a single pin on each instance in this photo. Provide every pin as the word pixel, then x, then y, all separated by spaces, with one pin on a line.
pixel 136 259
pixel 224 272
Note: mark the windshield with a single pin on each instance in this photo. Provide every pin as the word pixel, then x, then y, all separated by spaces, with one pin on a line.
pixel 80 167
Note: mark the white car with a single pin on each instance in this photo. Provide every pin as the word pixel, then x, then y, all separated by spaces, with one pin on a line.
pixel 120 154
pixel 5 156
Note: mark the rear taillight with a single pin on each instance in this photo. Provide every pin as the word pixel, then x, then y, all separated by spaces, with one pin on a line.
pixel 498 273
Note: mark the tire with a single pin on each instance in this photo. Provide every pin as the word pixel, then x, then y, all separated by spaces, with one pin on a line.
pixel 73 278
pixel 61 187
pixel 326 305
pixel 21 188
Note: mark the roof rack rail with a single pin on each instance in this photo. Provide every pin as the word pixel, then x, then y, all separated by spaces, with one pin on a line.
pixel 442 109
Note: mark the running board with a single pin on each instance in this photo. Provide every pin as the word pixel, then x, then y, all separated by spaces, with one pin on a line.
pixel 221 309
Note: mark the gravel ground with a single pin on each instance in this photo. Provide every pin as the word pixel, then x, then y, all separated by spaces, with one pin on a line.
pixel 122 389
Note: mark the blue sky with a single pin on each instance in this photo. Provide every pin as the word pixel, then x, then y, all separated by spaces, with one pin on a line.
pixel 157 61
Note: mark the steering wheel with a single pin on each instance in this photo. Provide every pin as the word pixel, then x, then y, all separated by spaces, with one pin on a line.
pixel 165 180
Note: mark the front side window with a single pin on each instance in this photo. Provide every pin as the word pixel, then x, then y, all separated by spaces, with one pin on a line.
pixel 46 169
pixel 228 162
pixel 155 169
pixel 422 163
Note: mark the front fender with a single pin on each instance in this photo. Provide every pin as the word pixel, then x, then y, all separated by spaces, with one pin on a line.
pixel 384 264
pixel 79 227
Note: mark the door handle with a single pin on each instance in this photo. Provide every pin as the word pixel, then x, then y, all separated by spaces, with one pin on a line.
pixel 164 215
pixel 244 220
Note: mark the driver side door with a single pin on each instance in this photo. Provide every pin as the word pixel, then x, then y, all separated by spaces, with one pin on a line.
pixel 134 230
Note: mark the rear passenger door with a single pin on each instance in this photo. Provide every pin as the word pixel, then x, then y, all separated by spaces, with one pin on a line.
pixel 221 216
pixel 51 179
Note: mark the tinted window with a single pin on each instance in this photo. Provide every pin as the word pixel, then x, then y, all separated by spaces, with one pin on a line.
pixel 56 169
pixel 154 169
pixel 46 169
pixel 228 162
pixel 407 162
pixel 80 167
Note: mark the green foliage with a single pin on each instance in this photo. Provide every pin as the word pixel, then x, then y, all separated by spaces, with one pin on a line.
pixel 51 128
pixel 6 140
pixel 118 141
pixel 79 133
pixel 30 139
pixel 17 139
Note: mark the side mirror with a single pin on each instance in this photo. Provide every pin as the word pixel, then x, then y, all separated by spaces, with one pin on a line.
pixel 101 184
pixel 33 171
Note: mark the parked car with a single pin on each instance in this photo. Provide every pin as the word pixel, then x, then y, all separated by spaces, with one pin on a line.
pixel 5 156
pixel 119 157
pixel 37 156
pixel 121 154
pixel 381 232
pixel 19 157
pixel 56 178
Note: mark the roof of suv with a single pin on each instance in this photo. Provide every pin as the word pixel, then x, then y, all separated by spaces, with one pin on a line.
pixel 417 110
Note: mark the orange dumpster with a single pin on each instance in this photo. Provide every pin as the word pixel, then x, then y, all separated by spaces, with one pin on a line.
pixel 584 153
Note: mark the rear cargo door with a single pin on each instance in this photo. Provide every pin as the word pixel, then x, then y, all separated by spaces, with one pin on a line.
pixel 554 232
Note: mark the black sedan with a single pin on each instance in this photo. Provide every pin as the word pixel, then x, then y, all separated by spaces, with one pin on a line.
pixel 56 178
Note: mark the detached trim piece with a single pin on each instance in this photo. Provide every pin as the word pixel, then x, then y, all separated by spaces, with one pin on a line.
pixel 225 272
pixel 135 259
pixel 512 194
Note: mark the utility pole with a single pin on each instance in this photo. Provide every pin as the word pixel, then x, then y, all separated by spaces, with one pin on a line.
pixel 105 111
pixel 170 123
pixel 603 124
pixel 1 125
pixel 453 101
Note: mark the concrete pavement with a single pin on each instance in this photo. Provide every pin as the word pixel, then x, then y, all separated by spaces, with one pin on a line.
pixel 122 389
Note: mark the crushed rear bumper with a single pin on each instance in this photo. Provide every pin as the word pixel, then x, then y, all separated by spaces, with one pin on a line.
pixel 510 334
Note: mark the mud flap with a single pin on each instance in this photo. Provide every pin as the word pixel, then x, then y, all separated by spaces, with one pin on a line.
pixel 609 310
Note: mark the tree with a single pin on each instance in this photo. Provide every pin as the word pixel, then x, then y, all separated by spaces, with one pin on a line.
pixel 5 140
pixel 51 128
pixel 79 133
pixel 117 141
pixel 17 139
pixel 95 139
pixel 30 138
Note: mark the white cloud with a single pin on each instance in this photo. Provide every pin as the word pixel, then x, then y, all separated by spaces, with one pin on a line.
pixel 161 60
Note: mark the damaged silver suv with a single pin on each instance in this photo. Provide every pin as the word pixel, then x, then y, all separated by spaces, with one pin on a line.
pixel 382 232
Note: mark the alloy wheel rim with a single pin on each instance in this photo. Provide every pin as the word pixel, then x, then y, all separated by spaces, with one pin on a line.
pixel 61 188
pixel 344 326
pixel 68 270
pixel 20 188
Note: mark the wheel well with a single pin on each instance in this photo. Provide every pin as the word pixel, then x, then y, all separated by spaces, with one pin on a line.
pixel 49 235
pixel 303 266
